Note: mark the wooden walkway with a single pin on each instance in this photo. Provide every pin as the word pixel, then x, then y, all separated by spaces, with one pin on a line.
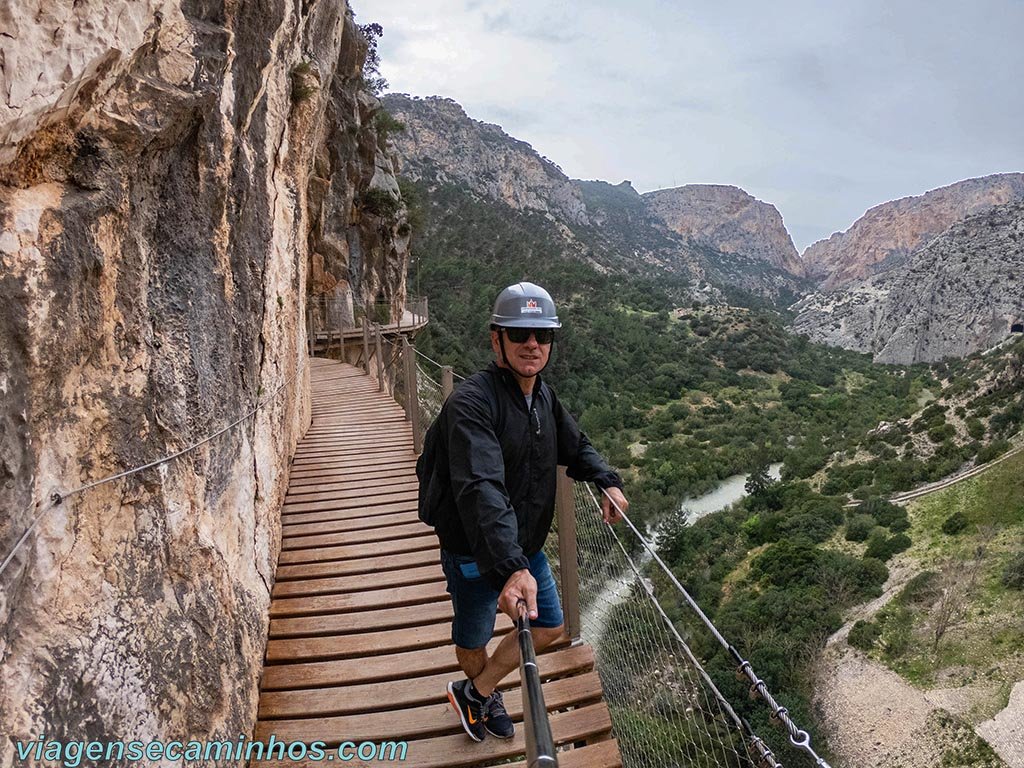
pixel 360 646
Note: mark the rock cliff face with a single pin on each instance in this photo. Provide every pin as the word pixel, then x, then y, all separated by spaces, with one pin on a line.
pixel 174 178
pixel 609 225
pixel 888 233
pixel 960 293
pixel 442 143
pixel 728 220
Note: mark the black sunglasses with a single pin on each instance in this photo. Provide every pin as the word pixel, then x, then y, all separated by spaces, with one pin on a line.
pixel 522 335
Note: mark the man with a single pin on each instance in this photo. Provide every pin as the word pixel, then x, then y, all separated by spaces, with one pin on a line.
pixel 490 493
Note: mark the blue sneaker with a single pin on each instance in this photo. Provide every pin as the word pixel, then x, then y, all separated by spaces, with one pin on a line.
pixel 470 709
pixel 496 719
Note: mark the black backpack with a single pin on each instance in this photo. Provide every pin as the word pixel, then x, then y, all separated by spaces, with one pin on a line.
pixel 432 465
pixel 432 472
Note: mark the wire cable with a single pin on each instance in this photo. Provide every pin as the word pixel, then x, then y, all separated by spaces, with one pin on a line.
pixel 57 497
pixel 798 738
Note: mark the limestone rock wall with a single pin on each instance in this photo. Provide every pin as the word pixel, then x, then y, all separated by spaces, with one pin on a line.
pixel 889 233
pixel 728 220
pixel 171 178
pixel 959 294
pixel 442 143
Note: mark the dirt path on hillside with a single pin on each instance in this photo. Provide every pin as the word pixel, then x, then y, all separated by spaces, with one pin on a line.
pixel 876 719
pixel 873 717
pixel 1005 731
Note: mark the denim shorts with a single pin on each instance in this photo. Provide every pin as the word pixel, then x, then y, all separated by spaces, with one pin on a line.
pixel 476 602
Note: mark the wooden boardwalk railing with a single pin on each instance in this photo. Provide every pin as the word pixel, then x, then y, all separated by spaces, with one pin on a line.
pixel 360 647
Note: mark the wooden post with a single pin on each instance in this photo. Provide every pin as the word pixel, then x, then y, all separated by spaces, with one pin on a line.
pixel 366 345
pixel 447 380
pixel 341 342
pixel 380 359
pixel 412 400
pixel 568 564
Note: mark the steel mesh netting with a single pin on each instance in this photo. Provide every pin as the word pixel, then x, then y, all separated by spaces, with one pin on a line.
pixel 664 713
pixel 431 396
pixel 394 370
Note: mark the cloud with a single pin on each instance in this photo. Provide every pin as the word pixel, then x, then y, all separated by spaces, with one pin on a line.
pixel 821 109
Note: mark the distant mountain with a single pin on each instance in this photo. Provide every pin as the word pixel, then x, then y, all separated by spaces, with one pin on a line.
pixel 889 233
pixel 608 225
pixel 728 220
pixel 961 292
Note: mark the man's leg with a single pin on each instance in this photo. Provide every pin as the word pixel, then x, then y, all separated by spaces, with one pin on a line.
pixel 506 657
pixel 472 661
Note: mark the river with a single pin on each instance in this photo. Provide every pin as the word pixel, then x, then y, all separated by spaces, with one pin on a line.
pixel 616 590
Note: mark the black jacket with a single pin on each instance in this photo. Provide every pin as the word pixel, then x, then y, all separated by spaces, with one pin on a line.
pixel 492 493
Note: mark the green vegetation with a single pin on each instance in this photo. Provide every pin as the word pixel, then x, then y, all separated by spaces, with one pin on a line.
pixel 372 79
pixel 385 124
pixel 303 82
pixel 380 202
pixel 957 621
pixel 679 395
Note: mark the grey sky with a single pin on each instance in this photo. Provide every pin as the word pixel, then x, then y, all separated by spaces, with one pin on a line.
pixel 823 109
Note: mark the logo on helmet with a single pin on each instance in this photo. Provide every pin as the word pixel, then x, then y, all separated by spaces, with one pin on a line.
pixel 531 308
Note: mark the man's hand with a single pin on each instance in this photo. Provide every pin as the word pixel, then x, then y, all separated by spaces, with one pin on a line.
pixel 608 510
pixel 520 586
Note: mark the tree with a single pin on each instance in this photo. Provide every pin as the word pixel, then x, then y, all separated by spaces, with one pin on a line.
pixel 758 481
pixel 372 78
pixel 951 610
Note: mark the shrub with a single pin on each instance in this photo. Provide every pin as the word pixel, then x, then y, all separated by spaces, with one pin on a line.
pixel 975 428
pixel 859 527
pixel 920 589
pixel 1013 572
pixel 885 513
pixel 380 202
pixel 883 547
pixel 954 524
pixel 941 433
pixel 864 634
pixel 992 451
pixel 386 124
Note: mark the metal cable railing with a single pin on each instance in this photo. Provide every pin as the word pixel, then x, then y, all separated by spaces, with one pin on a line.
pixel 666 712
pixel 798 737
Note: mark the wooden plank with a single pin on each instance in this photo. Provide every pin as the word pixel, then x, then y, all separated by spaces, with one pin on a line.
pixel 603 754
pixel 367 643
pixel 334 493
pixel 362 536
pixel 363 621
pixel 355 551
pixel 356 524
pixel 350 462
pixel 328 473
pixel 397 471
pixel 347 465
pixel 457 751
pixel 359 583
pixel 347 442
pixel 392 666
pixel 366 454
pixel 374 499
pixel 351 567
pixel 347 602
pixel 350 699
pixel 424 721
